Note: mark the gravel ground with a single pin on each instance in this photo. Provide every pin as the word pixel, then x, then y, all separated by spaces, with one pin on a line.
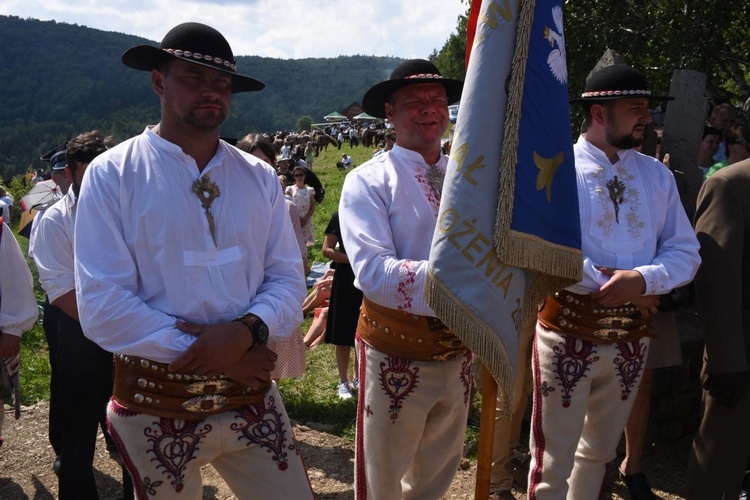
pixel 26 465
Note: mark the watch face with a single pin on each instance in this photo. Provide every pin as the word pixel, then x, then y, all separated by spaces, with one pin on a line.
pixel 261 332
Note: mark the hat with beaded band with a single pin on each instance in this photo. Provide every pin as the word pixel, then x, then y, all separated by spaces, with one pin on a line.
pixel 617 81
pixel 409 72
pixel 195 43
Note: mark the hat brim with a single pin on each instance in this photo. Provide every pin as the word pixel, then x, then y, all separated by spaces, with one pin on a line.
pixel 148 57
pixel 373 103
pixel 583 100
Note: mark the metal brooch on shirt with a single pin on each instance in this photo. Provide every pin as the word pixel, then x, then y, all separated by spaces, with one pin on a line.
pixel 207 192
pixel 435 178
pixel 616 194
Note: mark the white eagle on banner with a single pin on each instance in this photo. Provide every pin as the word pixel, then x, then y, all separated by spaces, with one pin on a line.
pixel 556 58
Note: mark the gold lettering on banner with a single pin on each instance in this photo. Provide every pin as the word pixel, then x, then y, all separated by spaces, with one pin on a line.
pixel 459 155
pixel 469 229
pixel 478 163
pixel 504 283
pixel 460 158
pixel 516 314
pixel 474 245
pixel 505 11
pixel 451 217
pixel 476 248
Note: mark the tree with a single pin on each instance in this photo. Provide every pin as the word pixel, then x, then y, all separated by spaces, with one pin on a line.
pixel 304 123
pixel 451 60
pixel 655 36
pixel 659 36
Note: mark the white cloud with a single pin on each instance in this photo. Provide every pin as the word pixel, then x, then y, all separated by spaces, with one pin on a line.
pixel 287 29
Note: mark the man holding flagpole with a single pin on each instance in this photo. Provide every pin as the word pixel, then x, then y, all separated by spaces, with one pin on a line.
pixel 592 338
pixel 415 379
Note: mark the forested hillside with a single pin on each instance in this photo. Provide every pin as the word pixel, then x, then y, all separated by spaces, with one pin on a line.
pixel 61 79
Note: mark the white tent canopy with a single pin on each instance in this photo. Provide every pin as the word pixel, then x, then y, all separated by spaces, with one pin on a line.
pixel 334 117
pixel 364 116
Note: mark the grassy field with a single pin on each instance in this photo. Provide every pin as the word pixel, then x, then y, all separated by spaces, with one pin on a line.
pixel 313 398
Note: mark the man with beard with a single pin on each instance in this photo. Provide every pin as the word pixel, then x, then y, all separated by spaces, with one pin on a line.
pixel 592 338
pixel 82 375
pixel 186 263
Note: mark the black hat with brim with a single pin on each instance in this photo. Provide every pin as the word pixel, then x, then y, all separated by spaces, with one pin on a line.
pixel 409 72
pixel 195 43
pixel 617 81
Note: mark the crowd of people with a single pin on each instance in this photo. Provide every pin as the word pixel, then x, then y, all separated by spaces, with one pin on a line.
pixel 182 259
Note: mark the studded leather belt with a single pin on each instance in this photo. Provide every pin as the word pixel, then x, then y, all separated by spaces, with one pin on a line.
pixel 409 336
pixel 149 387
pixel 582 317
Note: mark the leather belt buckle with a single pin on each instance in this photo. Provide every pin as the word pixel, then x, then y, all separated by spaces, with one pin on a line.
pixel 615 321
pixel 206 403
pixel 612 334
pixel 213 386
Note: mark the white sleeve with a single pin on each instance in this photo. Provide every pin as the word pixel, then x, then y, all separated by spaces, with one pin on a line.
pixel 18 308
pixel 53 255
pixel 677 258
pixel 111 313
pixel 383 277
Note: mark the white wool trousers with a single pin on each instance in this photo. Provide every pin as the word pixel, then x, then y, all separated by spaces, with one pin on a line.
pixel 251 447
pixel 411 425
pixel 583 394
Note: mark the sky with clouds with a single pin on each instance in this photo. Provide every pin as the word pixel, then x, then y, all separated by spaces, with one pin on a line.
pixel 285 29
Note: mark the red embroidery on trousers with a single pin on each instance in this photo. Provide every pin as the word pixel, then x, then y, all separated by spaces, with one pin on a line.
pixel 629 364
pixel 573 362
pixel 360 481
pixel 535 476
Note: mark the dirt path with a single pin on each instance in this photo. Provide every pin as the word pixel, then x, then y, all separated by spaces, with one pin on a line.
pixel 26 466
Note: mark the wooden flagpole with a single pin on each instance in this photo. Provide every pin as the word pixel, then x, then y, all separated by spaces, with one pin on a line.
pixel 486 435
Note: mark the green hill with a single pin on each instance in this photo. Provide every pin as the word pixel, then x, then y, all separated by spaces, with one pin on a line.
pixel 61 79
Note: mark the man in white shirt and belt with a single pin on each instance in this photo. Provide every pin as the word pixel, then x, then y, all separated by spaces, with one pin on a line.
pixel 82 378
pixel 51 313
pixel 186 263
pixel 592 339
pixel 415 379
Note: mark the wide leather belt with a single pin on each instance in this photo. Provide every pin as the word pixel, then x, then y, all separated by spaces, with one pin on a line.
pixel 149 387
pixel 409 336
pixel 582 317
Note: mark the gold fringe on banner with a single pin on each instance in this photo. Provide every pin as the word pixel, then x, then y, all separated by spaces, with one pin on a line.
pixel 512 247
pixel 476 334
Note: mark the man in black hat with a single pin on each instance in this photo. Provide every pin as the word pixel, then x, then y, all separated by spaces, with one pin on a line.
pixel 592 338
pixel 52 313
pixel 186 263
pixel 59 175
pixel 415 379
pixel 81 381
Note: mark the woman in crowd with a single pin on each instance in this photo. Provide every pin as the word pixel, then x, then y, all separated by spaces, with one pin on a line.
pixel 303 198
pixel 343 309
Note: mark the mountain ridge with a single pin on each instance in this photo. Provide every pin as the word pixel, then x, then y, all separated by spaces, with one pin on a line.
pixel 62 79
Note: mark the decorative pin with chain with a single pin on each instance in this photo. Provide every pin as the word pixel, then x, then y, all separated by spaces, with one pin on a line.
pixel 207 192
pixel 616 194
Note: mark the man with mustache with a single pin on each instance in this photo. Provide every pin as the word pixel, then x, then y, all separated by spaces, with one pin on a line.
pixel 187 264
pixel 592 338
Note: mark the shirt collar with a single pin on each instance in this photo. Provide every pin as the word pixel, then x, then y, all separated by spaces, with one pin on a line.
pixel 414 157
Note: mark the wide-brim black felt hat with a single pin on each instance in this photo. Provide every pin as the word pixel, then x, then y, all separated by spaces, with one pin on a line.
pixel 617 81
pixel 195 43
pixel 409 72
